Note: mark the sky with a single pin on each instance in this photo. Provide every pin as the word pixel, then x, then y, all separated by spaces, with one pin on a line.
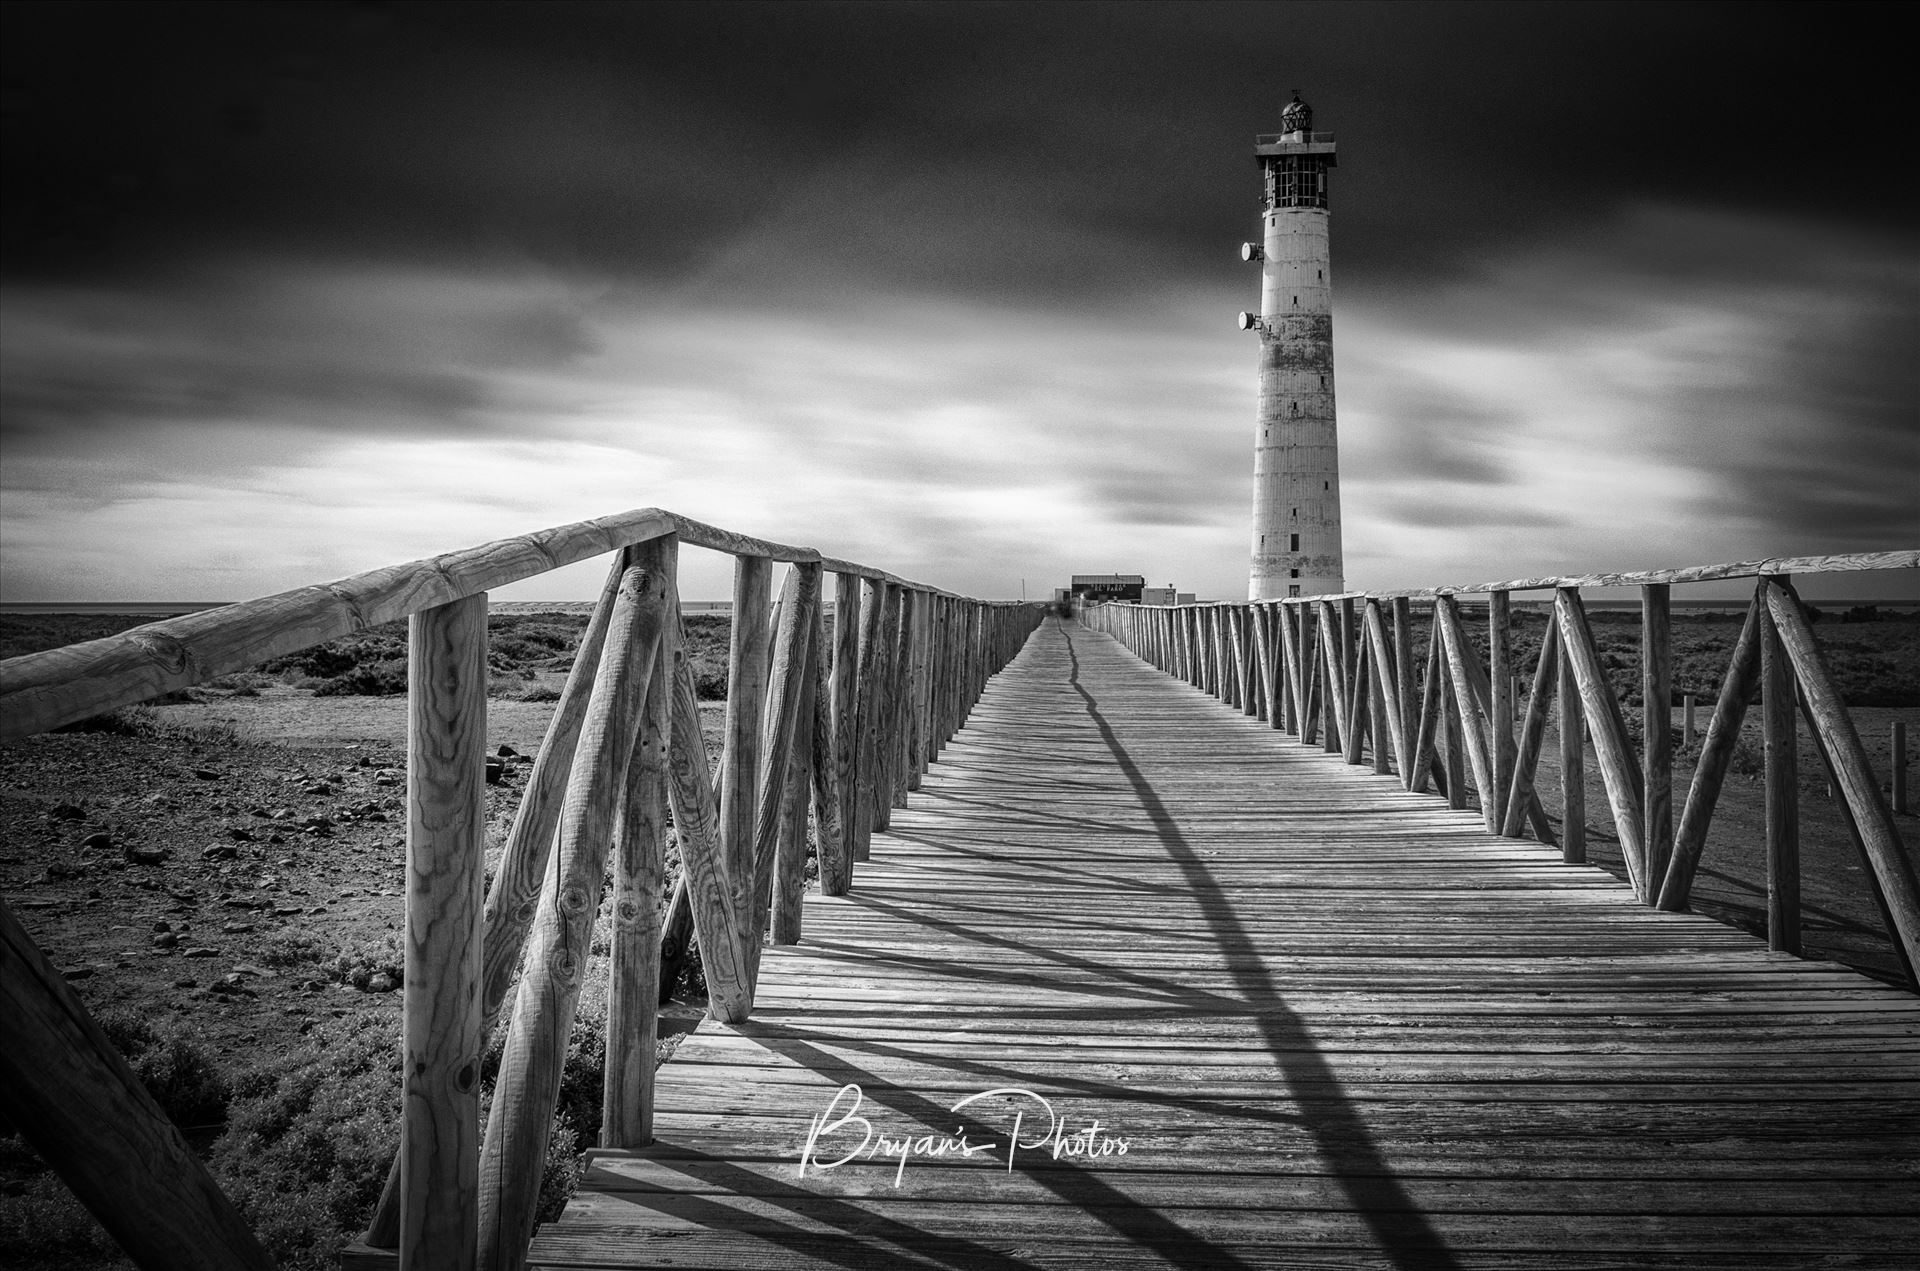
pixel 291 291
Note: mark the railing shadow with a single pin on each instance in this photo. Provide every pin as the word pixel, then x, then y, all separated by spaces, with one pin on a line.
pixel 1401 1228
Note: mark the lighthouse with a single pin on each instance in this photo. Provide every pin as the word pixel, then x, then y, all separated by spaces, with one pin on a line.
pixel 1296 463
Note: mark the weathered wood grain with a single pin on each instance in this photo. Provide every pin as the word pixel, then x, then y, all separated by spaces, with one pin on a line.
pixel 513 1156
pixel 442 1010
pixel 742 758
pixel 792 654
pixel 639 874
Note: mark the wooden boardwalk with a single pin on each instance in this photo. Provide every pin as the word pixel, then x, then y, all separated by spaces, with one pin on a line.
pixel 1336 1025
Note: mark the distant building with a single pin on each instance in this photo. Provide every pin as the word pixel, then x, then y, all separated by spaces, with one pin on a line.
pixel 1157 595
pixel 1099 588
pixel 1184 598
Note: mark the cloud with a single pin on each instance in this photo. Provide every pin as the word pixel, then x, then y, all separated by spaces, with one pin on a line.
pixel 1686 385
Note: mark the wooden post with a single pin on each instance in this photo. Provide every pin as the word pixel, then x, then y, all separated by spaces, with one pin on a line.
pixel 1389 697
pixel 1532 734
pixel 1573 779
pixel 873 609
pixel 829 804
pixel 639 877
pixel 1891 868
pixel 887 705
pixel 1656 724
pixel 1899 747
pixel 1450 717
pixel 1314 708
pixel 804 779
pixel 792 655
pixel 923 618
pixel 1334 683
pixel 1292 693
pixel 1408 707
pixel 527 1089
pixel 740 755
pixel 1617 768
pixel 1352 679
pixel 1462 663
pixel 74 1099
pixel 515 893
pixel 1431 703
pixel 836 857
pixel 1358 705
pixel 446 845
pixel 1499 720
pixel 900 718
pixel 1783 791
pixel 1710 773
pixel 714 895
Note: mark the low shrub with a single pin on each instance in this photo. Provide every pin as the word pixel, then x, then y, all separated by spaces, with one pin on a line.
pixel 378 679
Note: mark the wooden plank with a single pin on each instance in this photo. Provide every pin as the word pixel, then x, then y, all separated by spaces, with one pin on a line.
pixel 1313 1002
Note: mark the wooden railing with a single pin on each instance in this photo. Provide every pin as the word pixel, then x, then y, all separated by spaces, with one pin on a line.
pixel 1339 671
pixel 842 726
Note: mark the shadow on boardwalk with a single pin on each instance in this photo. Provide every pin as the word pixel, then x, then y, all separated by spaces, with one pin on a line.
pixel 1336 1024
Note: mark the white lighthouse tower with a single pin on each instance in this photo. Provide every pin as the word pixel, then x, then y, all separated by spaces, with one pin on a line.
pixel 1296 462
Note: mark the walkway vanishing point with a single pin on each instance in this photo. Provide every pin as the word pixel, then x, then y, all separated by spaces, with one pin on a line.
pixel 1335 1023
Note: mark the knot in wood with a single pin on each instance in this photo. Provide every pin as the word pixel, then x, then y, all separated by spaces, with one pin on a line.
pixel 563 966
pixel 524 911
pixel 464 1079
pixel 573 899
pixel 170 653
pixel 628 911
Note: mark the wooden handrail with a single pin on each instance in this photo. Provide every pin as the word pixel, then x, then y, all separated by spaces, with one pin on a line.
pixel 844 730
pixel 43 691
pixel 1357 689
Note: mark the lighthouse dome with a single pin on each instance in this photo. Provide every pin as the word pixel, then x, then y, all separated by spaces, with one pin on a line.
pixel 1297 116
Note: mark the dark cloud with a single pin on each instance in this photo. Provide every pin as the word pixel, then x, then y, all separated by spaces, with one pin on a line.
pixel 949 146
pixel 280 344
